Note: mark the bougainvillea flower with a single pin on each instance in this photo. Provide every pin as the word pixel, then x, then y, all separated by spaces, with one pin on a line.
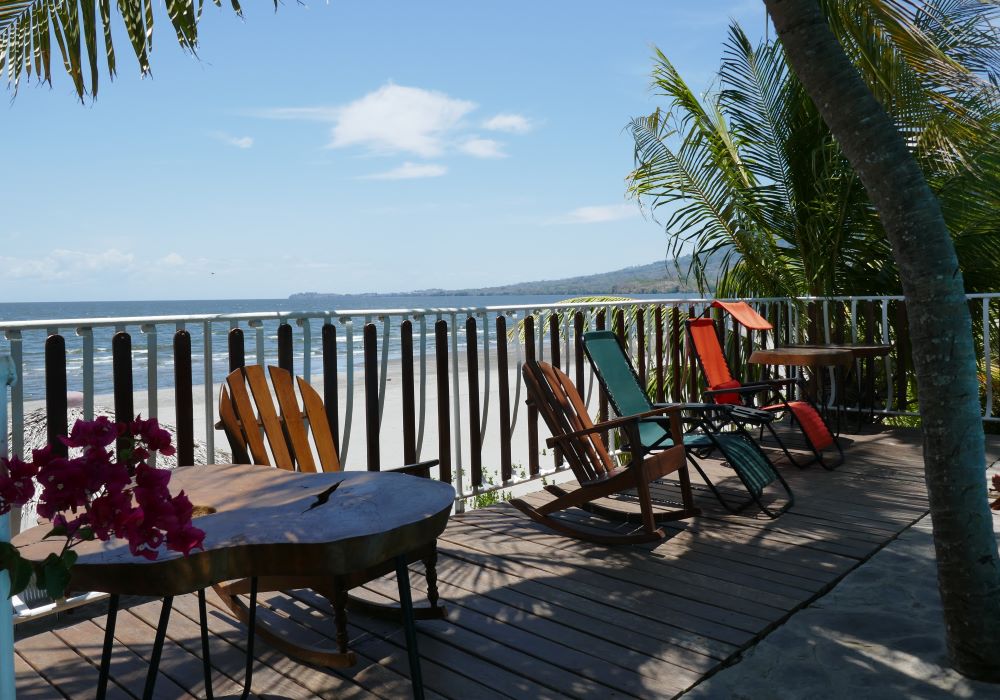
pixel 110 493
pixel 99 432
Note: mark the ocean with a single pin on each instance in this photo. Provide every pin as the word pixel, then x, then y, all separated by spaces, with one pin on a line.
pixel 33 372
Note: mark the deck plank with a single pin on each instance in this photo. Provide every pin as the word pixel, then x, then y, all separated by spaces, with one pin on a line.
pixel 534 614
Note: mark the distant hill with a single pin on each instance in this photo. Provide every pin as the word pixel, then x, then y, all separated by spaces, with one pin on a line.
pixel 655 278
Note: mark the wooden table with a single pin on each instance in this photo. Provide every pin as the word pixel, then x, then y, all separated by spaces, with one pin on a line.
pixel 267 522
pixel 812 357
pixel 802 356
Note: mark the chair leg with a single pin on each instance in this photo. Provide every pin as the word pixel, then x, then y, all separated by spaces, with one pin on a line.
pixel 430 568
pixel 340 614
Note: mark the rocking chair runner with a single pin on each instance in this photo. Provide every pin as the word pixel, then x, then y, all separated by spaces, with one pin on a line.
pixel 573 431
pixel 724 389
pixel 624 391
pixel 285 430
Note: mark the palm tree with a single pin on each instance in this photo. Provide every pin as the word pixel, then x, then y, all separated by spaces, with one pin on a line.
pixel 27 28
pixel 943 353
pixel 752 175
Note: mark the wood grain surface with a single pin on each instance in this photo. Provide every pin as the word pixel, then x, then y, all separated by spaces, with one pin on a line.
pixel 802 356
pixel 264 526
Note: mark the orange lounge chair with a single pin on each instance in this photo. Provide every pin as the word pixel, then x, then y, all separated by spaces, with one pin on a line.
pixel 724 389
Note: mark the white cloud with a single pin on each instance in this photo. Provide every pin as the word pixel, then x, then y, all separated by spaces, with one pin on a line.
pixel 399 119
pixel 172 260
pixel 598 214
pixel 409 171
pixel 236 141
pixel 396 119
pixel 512 123
pixel 482 148
pixel 63 264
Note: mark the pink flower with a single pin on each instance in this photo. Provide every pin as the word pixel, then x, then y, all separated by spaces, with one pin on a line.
pixel 64 487
pixel 112 494
pixel 16 484
pixel 185 539
pixel 99 432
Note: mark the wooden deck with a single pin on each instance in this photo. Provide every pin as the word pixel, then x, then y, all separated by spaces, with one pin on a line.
pixel 535 615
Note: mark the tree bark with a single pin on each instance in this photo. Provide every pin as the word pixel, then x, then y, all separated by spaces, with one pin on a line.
pixel 940 326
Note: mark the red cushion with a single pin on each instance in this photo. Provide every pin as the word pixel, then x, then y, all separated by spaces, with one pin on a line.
pixel 811 421
pixel 727 398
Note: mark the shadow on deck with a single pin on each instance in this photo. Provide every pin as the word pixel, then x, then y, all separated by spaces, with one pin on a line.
pixel 532 614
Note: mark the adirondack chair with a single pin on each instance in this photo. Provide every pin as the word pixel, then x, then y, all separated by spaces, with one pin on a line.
pixel 710 427
pixel 565 414
pixel 252 423
pixel 766 395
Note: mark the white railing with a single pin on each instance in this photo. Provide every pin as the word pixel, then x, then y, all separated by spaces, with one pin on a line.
pixel 88 358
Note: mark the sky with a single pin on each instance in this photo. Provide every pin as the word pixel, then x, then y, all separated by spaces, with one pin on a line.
pixel 348 147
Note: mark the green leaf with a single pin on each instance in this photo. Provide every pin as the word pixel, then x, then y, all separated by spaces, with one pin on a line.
pixel 16 566
pixel 56 531
pixel 53 574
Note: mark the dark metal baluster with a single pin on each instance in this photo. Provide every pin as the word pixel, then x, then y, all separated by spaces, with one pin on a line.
pixel 184 401
pixel 285 350
pixel 472 371
pixel 692 366
pixel 56 407
pixel 578 359
pixel 602 398
pixel 331 399
pixel 555 361
pixel 121 360
pixel 237 349
pixel 529 357
pixel 658 349
pixel 443 406
pixel 371 395
pixel 676 341
pixel 409 403
pixel 640 343
pixel 503 388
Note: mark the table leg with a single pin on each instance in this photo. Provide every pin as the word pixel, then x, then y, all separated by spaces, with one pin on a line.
pixel 161 635
pixel 109 642
pixel 206 663
pixel 406 605
pixel 205 658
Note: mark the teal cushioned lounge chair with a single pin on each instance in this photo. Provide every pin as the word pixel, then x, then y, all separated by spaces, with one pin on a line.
pixel 628 397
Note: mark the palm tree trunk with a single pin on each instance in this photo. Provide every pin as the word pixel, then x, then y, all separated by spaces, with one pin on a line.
pixel 940 327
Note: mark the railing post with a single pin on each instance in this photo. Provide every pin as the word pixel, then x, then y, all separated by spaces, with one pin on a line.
pixel 7 377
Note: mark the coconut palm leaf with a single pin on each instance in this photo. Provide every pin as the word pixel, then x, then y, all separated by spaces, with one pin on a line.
pixel 751 175
pixel 27 28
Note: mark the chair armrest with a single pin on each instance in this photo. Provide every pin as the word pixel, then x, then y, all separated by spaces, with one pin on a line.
pixel 419 469
pixel 751 414
pixel 610 424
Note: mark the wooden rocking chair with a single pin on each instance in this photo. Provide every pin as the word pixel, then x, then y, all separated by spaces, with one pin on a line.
pixel 578 437
pixel 286 430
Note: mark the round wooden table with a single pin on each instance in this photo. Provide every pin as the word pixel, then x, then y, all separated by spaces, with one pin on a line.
pixel 802 356
pixel 267 522
pixel 812 357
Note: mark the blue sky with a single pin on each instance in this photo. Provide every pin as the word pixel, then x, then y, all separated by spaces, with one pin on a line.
pixel 348 147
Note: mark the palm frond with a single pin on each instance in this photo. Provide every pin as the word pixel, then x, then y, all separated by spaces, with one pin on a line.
pixel 28 26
